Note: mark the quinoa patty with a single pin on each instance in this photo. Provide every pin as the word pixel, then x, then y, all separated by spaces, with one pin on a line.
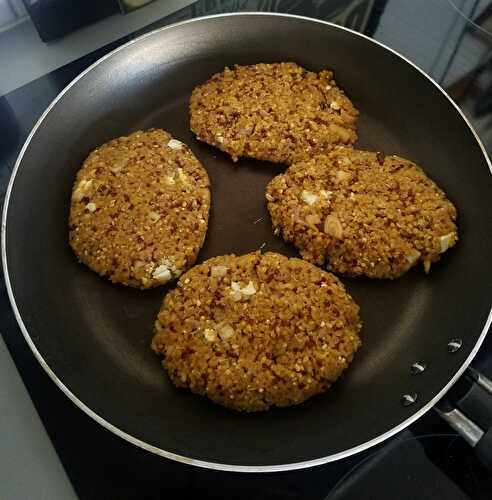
pixel 276 112
pixel 257 330
pixel 139 209
pixel 362 214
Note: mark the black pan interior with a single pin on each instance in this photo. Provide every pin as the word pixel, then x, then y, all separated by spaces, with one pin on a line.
pixel 95 336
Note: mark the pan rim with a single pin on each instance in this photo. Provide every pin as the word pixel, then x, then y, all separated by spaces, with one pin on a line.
pixel 154 449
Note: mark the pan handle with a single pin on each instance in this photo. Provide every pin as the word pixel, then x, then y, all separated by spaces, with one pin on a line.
pixel 467 408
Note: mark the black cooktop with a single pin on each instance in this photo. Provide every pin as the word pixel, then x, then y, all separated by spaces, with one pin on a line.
pixel 452 41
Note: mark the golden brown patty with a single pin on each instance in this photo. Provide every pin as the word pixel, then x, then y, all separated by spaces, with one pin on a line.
pixel 257 330
pixel 276 112
pixel 362 214
pixel 139 209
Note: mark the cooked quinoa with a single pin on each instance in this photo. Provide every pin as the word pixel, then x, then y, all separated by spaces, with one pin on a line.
pixel 276 112
pixel 257 330
pixel 360 213
pixel 139 209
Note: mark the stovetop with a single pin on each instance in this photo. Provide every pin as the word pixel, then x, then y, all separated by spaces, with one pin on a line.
pixel 452 41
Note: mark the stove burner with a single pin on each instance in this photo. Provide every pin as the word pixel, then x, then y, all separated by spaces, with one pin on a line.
pixel 439 457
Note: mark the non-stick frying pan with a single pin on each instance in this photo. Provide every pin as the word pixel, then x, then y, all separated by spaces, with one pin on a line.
pixel 93 337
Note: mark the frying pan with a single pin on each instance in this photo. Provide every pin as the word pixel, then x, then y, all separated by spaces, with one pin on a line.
pixel 93 337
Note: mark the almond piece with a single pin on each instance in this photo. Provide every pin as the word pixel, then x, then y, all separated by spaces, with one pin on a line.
pixel 218 271
pixel 249 289
pixel 209 334
pixel 226 332
pixel 175 144
pixel 309 198
pixel 162 273
pixel 82 189
pixel 447 241
pixel 154 216
pixel 333 226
